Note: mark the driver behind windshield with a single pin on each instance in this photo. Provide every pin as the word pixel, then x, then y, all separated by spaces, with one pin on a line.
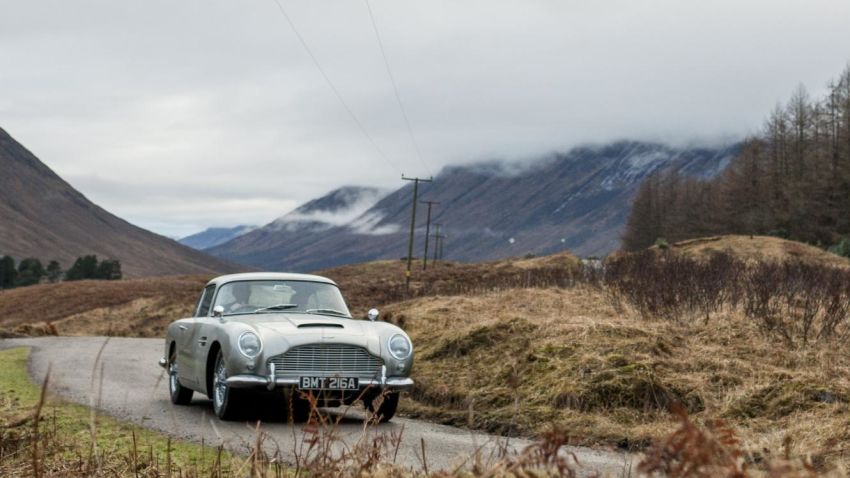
pixel 246 297
pixel 241 292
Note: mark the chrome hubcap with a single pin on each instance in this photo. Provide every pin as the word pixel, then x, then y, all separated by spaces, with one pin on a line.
pixel 219 384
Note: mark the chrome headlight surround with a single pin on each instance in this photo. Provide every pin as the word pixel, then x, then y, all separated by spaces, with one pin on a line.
pixel 248 336
pixel 402 354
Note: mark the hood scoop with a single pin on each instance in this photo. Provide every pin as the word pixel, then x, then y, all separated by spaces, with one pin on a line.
pixel 319 324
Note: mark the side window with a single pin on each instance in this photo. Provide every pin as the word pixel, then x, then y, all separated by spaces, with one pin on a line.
pixel 206 300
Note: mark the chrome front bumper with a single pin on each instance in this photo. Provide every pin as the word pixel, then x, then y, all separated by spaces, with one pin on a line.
pixel 249 381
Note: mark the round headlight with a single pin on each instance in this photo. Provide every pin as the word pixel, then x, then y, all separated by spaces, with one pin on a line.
pixel 250 345
pixel 400 347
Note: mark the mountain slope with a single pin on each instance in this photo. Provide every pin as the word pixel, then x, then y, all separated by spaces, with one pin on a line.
pixel 296 230
pixel 214 236
pixel 43 216
pixel 577 201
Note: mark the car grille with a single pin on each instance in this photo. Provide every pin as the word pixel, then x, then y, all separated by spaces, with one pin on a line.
pixel 327 359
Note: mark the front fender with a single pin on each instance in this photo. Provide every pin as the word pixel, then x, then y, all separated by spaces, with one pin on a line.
pixel 225 337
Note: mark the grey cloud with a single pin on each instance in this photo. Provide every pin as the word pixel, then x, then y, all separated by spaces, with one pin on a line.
pixel 179 115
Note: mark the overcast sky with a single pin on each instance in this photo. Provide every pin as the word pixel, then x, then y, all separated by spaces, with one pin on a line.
pixel 178 115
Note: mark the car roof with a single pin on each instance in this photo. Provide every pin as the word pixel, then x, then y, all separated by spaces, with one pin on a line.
pixel 258 276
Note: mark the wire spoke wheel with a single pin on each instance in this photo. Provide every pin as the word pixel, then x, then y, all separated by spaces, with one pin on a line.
pixel 227 401
pixel 180 395
pixel 220 388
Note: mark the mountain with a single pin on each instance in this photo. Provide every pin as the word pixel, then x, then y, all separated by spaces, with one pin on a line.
pixel 214 236
pixel 42 216
pixel 577 200
pixel 337 210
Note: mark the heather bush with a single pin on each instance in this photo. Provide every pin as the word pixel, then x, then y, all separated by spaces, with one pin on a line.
pixel 794 301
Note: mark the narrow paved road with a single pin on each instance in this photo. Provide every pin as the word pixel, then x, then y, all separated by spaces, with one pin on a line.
pixel 133 388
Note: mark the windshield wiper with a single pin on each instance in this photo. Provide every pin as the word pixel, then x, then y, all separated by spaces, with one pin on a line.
pixel 327 311
pixel 277 307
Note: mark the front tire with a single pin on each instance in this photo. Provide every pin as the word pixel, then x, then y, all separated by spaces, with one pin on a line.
pixel 180 395
pixel 299 408
pixel 226 400
pixel 383 406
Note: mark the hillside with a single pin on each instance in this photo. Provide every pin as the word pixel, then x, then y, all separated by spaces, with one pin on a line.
pixel 143 307
pixel 576 201
pixel 42 216
pixel 610 376
pixel 759 249
pixel 131 307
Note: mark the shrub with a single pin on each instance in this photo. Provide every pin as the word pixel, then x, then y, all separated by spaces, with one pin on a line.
pixel 794 301
pixel 88 267
pixel 30 272
pixel 842 248
pixel 8 273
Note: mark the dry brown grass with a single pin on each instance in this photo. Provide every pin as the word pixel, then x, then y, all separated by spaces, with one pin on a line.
pixel 375 284
pixel 134 307
pixel 759 249
pixel 517 362
pixel 144 307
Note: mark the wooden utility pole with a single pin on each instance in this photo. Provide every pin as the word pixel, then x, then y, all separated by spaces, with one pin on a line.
pixel 416 182
pixel 427 233
pixel 436 241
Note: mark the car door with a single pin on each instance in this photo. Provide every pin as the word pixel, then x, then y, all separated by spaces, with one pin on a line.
pixel 186 340
pixel 201 338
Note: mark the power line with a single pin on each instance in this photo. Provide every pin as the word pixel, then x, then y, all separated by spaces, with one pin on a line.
pixel 331 84
pixel 395 89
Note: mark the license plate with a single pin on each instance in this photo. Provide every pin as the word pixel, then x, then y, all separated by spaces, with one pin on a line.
pixel 328 383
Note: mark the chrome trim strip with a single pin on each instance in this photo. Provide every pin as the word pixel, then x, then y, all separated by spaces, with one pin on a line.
pixel 248 381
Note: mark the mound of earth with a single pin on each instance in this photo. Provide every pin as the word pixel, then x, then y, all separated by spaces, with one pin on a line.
pixel 759 248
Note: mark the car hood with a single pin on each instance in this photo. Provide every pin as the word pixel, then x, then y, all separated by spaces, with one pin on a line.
pixel 285 330
pixel 310 324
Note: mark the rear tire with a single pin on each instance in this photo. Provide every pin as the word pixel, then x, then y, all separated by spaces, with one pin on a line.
pixel 180 395
pixel 385 410
pixel 227 401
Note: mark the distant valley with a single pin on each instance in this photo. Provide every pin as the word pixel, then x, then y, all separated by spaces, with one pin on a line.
pixel 214 236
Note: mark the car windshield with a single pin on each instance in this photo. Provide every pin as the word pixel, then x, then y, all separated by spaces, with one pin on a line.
pixel 268 296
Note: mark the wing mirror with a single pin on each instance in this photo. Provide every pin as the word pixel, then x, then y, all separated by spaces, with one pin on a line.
pixel 218 311
pixel 373 314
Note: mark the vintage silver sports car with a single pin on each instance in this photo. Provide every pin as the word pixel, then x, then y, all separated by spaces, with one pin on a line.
pixel 267 333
